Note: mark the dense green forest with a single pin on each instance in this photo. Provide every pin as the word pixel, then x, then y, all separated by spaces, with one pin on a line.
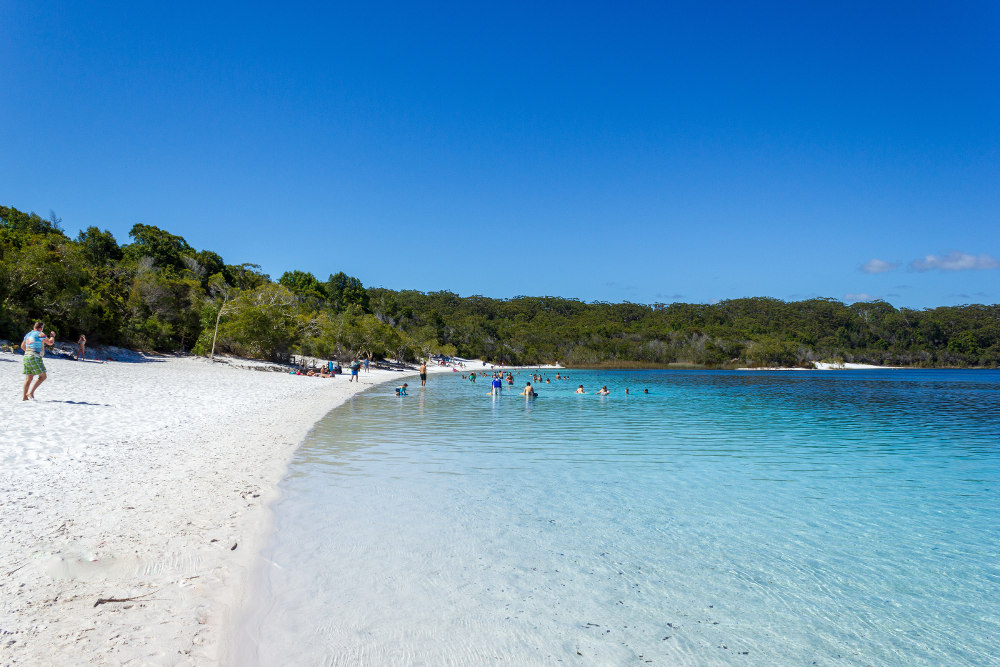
pixel 158 293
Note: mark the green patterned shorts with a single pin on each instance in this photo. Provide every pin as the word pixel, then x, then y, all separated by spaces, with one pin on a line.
pixel 33 365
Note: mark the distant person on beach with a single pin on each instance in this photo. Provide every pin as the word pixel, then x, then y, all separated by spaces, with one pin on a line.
pixel 366 364
pixel 528 391
pixel 33 344
pixel 580 390
pixel 81 345
pixel 423 373
pixel 355 367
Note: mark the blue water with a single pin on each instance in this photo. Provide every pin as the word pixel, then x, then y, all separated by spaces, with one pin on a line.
pixel 838 517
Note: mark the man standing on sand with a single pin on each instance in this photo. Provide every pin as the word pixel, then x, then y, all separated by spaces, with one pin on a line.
pixel 355 367
pixel 33 346
pixel 423 373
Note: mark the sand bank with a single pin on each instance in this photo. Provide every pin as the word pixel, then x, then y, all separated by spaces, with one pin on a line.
pixel 823 366
pixel 134 501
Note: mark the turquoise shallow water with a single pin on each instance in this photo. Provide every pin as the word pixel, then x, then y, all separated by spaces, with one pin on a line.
pixel 724 518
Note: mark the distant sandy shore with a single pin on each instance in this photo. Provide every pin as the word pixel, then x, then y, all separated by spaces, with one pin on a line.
pixel 824 366
pixel 134 502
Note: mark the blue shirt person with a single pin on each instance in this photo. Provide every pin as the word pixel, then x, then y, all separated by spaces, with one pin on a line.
pixel 33 346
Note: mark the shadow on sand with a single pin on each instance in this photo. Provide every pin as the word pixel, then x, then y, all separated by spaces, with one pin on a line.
pixel 102 405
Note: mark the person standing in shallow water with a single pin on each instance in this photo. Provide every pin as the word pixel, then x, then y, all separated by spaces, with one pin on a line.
pixel 34 347
pixel 423 373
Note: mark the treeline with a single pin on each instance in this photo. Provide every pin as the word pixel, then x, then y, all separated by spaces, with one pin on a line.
pixel 159 293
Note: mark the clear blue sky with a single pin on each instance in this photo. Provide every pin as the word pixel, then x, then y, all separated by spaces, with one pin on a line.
pixel 658 151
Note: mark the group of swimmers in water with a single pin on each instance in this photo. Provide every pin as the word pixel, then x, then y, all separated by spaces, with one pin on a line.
pixel 501 377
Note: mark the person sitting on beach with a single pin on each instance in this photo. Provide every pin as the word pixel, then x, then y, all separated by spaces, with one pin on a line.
pixel 604 391
pixel 528 392
pixel 311 373
pixel 580 390
pixel 401 390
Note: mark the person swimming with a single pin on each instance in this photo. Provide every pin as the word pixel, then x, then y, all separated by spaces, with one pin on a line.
pixel 580 390
pixel 529 391
pixel 604 391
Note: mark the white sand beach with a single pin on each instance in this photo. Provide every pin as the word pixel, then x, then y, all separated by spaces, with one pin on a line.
pixel 134 499
pixel 821 366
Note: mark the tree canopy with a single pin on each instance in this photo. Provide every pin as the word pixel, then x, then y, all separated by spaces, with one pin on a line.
pixel 159 293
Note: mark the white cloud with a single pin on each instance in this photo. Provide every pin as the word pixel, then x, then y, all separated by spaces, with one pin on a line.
pixel 858 297
pixel 955 261
pixel 878 266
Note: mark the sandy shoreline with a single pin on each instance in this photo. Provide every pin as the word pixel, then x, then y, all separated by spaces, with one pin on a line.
pixel 137 480
pixel 823 366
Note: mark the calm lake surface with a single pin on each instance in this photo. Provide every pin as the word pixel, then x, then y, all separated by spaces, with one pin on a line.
pixel 844 517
